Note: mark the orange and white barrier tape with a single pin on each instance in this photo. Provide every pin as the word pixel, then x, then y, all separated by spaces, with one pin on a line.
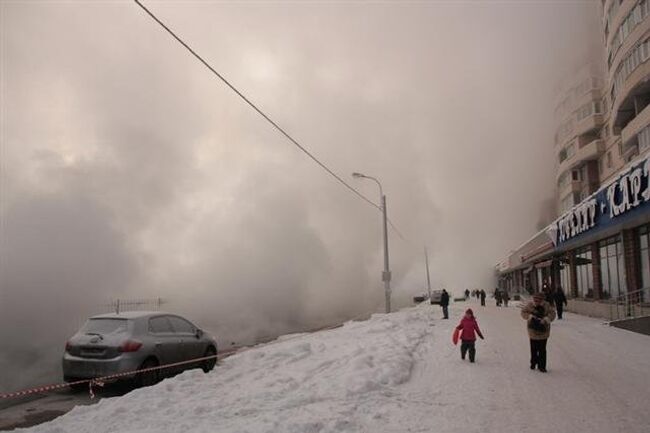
pixel 100 381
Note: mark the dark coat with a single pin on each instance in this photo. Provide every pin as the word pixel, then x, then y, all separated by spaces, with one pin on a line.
pixel 559 298
pixel 444 299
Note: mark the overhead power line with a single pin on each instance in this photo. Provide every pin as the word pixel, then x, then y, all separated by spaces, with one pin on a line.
pixel 261 113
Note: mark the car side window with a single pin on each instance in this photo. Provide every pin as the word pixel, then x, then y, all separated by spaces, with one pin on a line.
pixel 181 325
pixel 159 325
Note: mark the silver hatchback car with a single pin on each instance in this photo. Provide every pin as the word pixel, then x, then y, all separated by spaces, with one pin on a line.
pixel 117 343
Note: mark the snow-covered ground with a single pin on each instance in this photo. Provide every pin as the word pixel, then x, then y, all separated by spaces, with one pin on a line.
pixel 400 373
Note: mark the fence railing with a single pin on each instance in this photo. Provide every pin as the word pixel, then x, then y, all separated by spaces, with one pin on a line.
pixel 121 305
pixel 630 305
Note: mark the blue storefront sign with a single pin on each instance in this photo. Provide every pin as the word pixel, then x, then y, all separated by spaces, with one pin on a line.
pixel 625 198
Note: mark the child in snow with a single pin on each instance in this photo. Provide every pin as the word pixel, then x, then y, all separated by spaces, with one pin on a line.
pixel 469 328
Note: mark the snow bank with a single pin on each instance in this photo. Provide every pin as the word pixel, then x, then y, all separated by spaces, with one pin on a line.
pixel 323 382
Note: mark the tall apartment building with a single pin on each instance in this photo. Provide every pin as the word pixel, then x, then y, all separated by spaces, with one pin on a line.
pixel 598 250
pixel 579 146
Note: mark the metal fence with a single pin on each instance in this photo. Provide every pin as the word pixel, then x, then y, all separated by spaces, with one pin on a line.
pixel 630 305
pixel 121 305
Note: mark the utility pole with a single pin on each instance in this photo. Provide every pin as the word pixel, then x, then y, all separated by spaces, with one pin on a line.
pixel 386 273
pixel 426 260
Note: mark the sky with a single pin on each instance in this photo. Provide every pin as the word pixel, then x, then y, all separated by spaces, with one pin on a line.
pixel 128 170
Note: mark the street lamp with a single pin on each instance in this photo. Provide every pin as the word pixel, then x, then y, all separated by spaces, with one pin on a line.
pixel 385 276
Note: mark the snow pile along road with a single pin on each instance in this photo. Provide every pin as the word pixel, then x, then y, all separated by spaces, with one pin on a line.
pixel 400 373
pixel 332 381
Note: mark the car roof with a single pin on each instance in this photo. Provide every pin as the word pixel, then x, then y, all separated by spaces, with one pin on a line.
pixel 129 315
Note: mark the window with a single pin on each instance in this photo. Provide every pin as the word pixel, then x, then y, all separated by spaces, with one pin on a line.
pixel 644 139
pixel 609 160
pixel 644 241
pixel 633 152
pixel 620 148
pixel 575 175
pixel 570 150
pixel 583 172
pixel 562 155
pixel 584 273
pixel 585 111
pixel 612 267
pixel 160 325
pixel 633 18
pixel 181 325
pixel 635 57
pixel 105 326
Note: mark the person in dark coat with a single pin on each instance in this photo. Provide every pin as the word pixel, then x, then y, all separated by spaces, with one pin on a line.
pixel 483 295
pixel 469 328
pixel 538 315
pixel 560 301
pixel 444 303
pixel 497 297
pixel 466 294
pixel 505 297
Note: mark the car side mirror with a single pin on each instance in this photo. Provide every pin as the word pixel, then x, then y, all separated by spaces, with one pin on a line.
pixel 199 333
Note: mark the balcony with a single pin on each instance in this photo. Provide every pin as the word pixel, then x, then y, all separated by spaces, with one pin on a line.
pixel 595 121
pixel 590 151
pixel 587 152
pixel 637 85
pixel 629 133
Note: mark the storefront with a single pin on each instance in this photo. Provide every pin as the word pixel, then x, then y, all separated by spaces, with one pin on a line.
pixel 599 250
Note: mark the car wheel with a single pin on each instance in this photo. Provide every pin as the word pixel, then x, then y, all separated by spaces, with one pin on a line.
pixel 147 378
pixel 209 364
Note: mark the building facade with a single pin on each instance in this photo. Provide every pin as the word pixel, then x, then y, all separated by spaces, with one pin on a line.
pixel 598 250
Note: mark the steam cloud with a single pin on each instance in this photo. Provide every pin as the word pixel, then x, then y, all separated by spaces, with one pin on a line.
pixel 129 171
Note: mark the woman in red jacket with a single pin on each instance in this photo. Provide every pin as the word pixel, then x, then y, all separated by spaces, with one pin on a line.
pixel 468 328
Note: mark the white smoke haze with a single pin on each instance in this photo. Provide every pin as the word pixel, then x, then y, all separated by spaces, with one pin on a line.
pixel 128 170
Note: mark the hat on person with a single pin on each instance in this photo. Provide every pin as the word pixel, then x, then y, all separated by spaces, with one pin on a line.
pixel 470 312
pixel 538 295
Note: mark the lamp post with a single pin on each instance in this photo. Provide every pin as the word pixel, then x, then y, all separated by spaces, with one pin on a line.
pixel 385 276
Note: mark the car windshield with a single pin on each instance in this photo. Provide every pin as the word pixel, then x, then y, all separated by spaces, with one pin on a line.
pixel 105 326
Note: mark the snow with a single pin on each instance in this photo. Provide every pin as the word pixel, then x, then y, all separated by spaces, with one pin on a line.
pixel 398 373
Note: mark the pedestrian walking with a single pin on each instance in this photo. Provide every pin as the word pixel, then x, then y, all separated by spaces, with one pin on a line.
pixel 538 315
pixel 444 303
pixel 497 297
pixel 505 297
pixel 466 294
pixel 483 295
pixel 468 328
pixel 560 301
